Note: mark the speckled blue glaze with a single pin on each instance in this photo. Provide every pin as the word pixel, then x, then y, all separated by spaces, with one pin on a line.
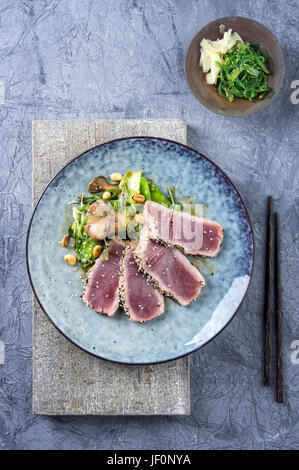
pixel 180 330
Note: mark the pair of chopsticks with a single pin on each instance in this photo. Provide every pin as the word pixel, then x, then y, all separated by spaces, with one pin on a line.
pixel 277 303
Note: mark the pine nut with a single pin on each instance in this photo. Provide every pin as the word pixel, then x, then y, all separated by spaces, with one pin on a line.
pixel 116 176
pixel 139 198
pixel 97 250
pixel 65 241
pixel 70 259
pixel 106 195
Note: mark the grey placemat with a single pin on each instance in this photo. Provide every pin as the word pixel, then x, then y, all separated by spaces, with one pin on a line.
pixel 66 380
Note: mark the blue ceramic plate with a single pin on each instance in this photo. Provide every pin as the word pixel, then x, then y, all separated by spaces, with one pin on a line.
pixel 180 330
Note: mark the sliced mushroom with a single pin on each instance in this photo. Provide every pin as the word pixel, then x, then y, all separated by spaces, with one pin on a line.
pixel 100 217
pixel 100 229
pixel 103 221
pixel 99 183
pixel 99 208
pixel 93 219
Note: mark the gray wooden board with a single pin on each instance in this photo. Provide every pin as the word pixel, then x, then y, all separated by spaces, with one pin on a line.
pixel 66 380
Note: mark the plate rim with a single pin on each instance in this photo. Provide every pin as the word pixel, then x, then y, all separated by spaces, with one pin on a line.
pixel 198 154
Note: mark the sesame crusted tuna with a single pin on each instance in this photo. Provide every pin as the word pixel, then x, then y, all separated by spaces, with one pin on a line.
pixel 169 269
pixel 193 235
pixel 140 299
pixel 102 289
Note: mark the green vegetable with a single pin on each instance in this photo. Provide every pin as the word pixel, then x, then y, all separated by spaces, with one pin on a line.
pixel 86 201
pixel 106 254
pixel 157 195
pixel 144 188
pixel 130 211
pixel 115 205
pixel 131 182
pixel 176 206
pixel 83 244
pixel 84 248
pixel 121 204
pixel 244 73
pixel 106 251
pixel 130 185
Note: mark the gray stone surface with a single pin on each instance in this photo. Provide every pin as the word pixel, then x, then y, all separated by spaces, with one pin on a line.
pixel 66 380
pixel 82 59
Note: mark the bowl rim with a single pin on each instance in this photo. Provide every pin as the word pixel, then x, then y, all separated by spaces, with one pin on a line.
pixel 198 155
pixel 264 102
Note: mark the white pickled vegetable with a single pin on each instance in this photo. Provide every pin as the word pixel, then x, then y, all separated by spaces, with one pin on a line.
pixel 213 51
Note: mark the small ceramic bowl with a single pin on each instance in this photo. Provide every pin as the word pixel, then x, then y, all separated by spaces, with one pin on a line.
pixel 251 31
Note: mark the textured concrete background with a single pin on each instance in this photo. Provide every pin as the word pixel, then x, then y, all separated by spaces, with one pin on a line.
pixel 111 59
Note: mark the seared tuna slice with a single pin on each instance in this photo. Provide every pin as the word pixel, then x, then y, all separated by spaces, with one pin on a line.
pixel 140 299
pixel 102 290
pixel 193 235
pixel 170 270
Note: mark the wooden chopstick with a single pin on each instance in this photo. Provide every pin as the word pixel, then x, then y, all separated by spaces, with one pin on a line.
pixel 268 296
pixel 278 315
